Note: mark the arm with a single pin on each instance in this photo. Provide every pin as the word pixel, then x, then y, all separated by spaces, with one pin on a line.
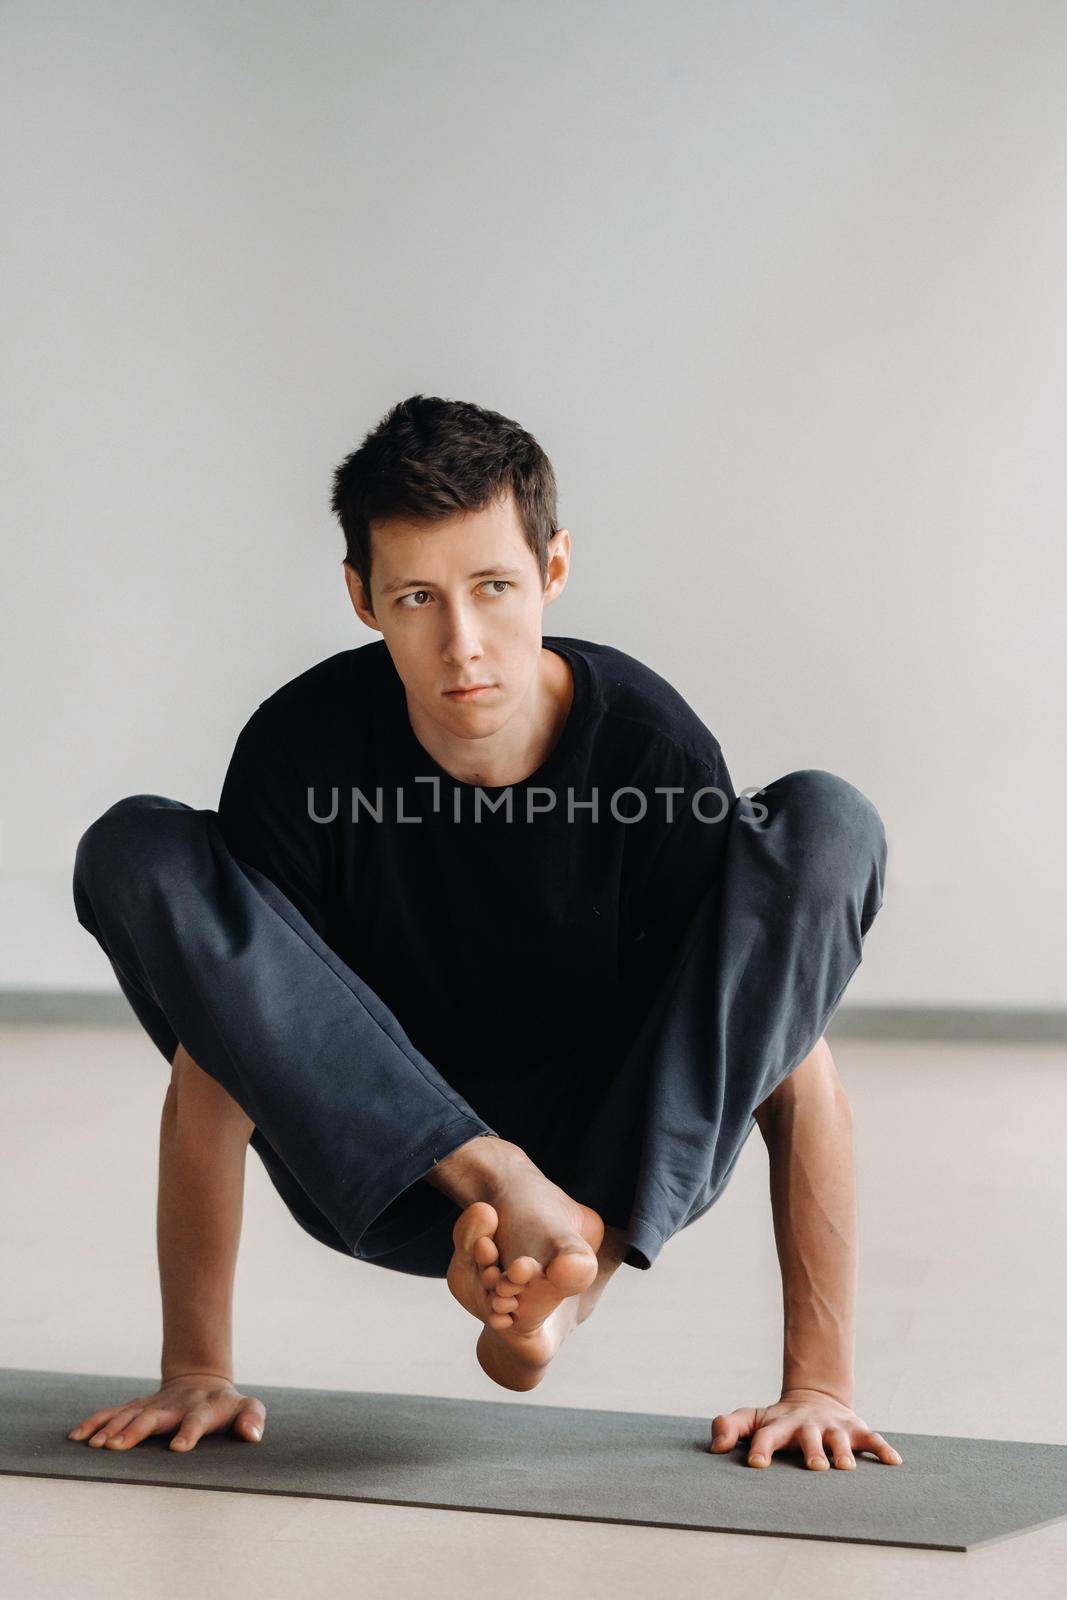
pixel 204 1135
pixel 807 1127
pixel 202 1143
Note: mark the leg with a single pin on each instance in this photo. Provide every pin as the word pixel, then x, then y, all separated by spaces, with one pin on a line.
pixel 348 1114
pixel 757 977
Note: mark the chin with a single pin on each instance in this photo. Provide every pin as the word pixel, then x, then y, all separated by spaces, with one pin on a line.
pixel 480 720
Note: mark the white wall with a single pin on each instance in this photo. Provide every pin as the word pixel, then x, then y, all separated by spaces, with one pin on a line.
pixel 779 288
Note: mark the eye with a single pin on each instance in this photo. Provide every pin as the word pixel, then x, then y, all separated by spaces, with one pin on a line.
pixel 502 583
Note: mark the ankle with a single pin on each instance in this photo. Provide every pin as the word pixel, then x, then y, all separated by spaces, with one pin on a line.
pixel 476 1169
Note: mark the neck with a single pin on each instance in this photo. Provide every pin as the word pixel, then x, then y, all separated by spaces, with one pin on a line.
pixel 518 748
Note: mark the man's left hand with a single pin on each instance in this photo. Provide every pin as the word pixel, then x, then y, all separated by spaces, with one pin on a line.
pixel 802 1418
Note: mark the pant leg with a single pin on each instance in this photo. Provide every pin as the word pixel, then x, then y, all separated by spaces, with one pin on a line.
pixel 755 980
pixel 348 1114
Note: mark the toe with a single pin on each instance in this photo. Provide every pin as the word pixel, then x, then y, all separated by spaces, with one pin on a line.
pixel 485 1251
pixel 522 1269
pixel 473 1232
pixel 572 1270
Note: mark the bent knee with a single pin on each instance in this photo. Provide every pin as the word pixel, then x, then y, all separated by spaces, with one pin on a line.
pixel 828 806
pixel 121 838
pixel 837 838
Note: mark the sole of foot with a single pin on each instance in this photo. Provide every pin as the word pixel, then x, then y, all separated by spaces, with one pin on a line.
pixel 529 1310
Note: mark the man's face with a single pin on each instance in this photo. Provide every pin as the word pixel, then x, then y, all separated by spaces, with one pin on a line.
pixel 459 603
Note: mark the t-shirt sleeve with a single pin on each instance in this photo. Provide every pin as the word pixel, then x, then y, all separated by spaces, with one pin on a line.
pixel 668 866
pixel 264 820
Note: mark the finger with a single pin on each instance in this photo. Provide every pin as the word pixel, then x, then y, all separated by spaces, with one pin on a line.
pixel 883 1449
pixel 765 1441
pixel 840 1447
pixel 119 1417
pixel 91 1423
pixel 250 1420
pixel 117 1429
pixel 730 1426
pixel 809 1438
pixel 194 1423
pixel 153 1419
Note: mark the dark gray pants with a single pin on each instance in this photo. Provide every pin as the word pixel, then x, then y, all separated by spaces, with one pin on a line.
pixel 348 1114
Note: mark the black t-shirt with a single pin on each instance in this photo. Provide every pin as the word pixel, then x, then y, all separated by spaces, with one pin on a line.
pixel 518 955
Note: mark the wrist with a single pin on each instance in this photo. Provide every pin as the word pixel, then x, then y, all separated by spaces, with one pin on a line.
pixel 844 1393
pixel 167 1375
pixel 175 1363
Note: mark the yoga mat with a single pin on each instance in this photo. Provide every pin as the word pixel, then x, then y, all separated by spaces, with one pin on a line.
pixel 549 1461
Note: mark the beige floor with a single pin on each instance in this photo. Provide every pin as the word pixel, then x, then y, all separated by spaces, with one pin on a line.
pixel 963 1311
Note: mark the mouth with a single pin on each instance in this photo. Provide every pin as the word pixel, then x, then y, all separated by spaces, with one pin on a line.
pixel 470 693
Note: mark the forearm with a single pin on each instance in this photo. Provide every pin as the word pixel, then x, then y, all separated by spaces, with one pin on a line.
pixel 198 1230
pixel 813 1199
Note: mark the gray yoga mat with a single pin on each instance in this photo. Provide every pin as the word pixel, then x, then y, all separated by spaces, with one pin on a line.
pixel 548 1461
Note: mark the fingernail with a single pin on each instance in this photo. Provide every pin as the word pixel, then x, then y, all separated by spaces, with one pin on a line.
pixel 255 1433
pixel 117 1439
pixel 757 1461
pixel 718 1438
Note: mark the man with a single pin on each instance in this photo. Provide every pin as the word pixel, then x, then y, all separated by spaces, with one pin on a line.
pixel 480 923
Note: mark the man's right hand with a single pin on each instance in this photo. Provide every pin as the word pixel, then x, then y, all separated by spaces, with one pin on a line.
pixel 194 1403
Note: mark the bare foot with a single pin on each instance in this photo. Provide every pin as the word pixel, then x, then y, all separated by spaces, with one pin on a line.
pixel 530 1310
pixel 530 1227
pixel 519 1361
pixel 544 1234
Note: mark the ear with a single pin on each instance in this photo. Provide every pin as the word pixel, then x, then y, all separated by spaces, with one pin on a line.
pixel 559 561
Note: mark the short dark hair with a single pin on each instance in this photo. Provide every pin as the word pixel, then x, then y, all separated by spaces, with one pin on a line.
pixel 429 459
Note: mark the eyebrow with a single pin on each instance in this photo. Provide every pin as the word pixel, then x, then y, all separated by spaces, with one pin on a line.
pixel 424 583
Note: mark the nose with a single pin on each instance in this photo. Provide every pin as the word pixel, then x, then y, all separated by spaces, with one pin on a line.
pixel 461 643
